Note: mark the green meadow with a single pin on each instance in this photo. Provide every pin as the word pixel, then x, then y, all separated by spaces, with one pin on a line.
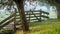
pixel 45 27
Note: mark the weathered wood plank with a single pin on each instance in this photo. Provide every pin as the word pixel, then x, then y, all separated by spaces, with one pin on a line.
pixel 2 25
pixel 6 19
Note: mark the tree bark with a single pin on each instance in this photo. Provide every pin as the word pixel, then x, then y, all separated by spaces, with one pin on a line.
pixel 58 11
pixel 25 25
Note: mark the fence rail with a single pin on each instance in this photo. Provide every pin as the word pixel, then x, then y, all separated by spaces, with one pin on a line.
pixel 36 15
pixel 7 21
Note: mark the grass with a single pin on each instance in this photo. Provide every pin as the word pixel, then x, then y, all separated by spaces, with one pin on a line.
pixel 46 27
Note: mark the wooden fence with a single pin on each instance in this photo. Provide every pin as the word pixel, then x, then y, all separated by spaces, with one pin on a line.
pixel 31 16
pixel 34 16
pixel 8 23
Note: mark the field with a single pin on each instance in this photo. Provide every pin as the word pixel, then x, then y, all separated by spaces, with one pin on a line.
pixel 46 27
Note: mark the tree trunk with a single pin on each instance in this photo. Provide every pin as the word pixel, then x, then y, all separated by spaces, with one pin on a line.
pixel 25 25
pixel 58 11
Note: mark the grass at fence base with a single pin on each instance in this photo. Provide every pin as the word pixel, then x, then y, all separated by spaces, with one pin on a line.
pixel 46 27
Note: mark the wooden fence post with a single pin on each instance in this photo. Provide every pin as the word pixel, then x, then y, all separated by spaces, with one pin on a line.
pixel 40 15
pixel 29 16
pixel 15 20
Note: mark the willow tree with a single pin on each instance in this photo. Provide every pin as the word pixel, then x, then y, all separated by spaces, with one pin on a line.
pixel 57 4
pixel 20 6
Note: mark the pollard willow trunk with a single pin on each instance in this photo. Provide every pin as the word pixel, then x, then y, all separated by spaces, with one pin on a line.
pixel 25 25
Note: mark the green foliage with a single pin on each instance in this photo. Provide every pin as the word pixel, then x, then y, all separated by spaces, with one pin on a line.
pixel 53 2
